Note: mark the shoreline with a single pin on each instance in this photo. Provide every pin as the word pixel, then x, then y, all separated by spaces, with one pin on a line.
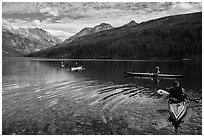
pixel 99 59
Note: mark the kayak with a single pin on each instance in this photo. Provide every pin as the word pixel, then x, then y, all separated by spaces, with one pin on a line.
pixel 152 75
pixel 177 111
pixel 77 68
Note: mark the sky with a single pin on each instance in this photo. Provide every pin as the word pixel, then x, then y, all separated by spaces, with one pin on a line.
pixel 64 19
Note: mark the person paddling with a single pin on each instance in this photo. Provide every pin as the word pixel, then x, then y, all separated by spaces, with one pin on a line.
pixel 62 65
pixel 76 65
pixel 157 71
pixel 177 93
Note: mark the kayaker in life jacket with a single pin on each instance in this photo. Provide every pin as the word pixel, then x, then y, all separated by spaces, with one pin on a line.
pixel 157 71
pixel 177 93
pixel 62 65
pixel 76 65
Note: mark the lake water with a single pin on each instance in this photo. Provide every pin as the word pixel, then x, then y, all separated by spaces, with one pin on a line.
pixel 39 97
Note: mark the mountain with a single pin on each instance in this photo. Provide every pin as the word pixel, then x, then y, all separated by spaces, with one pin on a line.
pixel 16 42
pixel 131 23
pixel 88 31
pixel 39 34
pixel 171 37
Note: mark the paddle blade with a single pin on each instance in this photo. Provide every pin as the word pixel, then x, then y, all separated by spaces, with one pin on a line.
pixel 162 92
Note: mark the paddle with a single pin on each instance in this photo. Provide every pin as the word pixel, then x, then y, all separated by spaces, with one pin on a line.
pixel 163 92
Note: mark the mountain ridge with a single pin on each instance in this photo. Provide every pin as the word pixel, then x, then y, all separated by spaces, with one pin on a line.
pixel 88 31
pixel 17 42
pixel 175 37
pixel 131 23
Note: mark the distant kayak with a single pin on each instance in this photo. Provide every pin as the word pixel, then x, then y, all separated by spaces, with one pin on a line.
pixel 77 68
pixel 152 75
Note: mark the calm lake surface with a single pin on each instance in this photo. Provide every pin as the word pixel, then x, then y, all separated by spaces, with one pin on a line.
pixel 39 97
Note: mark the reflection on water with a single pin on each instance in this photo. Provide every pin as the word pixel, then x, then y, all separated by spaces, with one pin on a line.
pixel 38 97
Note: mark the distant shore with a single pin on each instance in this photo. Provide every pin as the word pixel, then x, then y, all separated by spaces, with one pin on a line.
pixel 104 59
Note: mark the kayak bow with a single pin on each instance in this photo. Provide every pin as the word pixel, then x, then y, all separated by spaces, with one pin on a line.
pixel 177 110
pixel 162 92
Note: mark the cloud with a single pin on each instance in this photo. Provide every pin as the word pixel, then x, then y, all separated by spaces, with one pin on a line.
pixel 59 33
pixel 37 22
pixel 50 11
pixel 67 18
pixel 19 7
pixel 184 7
pixel 95 10
pixel 80 10
pixel 16 23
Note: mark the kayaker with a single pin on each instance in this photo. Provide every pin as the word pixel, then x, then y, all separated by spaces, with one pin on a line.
pixel 76 65
pixel 157 71
pixel 177 93
pixel 62 64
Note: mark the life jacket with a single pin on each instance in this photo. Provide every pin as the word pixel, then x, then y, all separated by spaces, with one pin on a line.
pixel 177 93
pixel 157 71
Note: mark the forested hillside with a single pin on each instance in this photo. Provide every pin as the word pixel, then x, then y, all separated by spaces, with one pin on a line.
pixel 172 37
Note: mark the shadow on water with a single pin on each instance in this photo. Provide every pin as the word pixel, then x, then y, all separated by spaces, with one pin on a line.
pixel 71 126
pixel 80 125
